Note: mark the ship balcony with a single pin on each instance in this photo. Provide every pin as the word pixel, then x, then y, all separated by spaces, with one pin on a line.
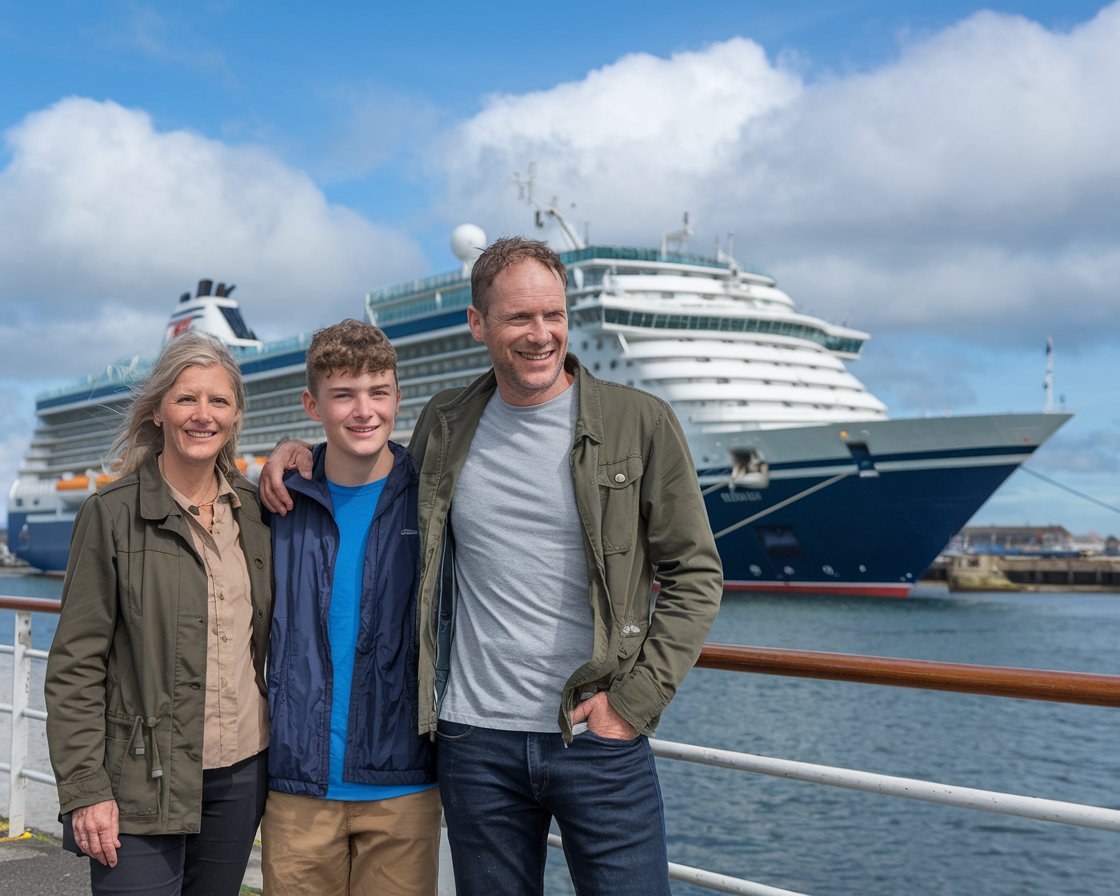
pixel 686 396
pixel 780 376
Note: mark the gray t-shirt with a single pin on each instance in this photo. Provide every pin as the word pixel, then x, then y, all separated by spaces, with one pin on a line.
pixel 522 624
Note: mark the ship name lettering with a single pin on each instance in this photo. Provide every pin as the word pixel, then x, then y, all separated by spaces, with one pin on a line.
pixel 740 495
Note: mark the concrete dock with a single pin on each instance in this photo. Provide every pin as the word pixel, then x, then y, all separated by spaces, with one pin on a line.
pixel 1025 572
pixel 39 866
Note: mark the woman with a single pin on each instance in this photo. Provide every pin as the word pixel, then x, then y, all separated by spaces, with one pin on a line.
pixel 157 719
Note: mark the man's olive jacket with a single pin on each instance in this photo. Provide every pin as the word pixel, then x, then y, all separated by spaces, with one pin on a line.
pixel 643 518
pixel 126 677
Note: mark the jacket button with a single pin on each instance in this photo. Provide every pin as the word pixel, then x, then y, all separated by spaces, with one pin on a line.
pixel 195 685
pixel 619 477
pixel 258 563
pixel 260 613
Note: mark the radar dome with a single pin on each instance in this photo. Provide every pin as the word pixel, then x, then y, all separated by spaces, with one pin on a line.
pixel 467 242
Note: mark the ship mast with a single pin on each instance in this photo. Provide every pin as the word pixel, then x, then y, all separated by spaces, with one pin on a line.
pixel 525 191
pixel 1048 382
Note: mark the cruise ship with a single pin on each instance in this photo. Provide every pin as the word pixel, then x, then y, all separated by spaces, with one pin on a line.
pixel 809 486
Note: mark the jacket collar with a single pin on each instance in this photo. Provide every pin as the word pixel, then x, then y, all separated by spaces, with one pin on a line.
pixel 316 488
pixel 589 423
pixel 156 502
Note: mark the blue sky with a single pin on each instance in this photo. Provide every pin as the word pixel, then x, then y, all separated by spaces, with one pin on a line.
pixel 943 176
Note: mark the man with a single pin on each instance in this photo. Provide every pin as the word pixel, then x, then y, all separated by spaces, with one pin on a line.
pixel 549 501
pixel 352 806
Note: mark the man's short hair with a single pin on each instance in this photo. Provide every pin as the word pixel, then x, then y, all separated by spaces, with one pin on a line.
pixel 350 346
pixel 502 253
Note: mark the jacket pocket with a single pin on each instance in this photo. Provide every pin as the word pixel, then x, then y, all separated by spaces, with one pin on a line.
pixel 619 489
pixel 128 767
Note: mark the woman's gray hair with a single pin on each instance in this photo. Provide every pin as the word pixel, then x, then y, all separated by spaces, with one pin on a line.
pixel 139 436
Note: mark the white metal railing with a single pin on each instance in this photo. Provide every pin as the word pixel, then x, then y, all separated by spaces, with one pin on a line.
pixel 21 713
pixel 908 788
pixel 1064 687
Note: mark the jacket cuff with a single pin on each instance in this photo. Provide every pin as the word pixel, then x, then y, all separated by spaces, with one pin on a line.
pixel 638 701
pixel 86 791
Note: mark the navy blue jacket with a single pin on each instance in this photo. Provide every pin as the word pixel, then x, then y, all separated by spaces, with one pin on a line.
pixel 382 744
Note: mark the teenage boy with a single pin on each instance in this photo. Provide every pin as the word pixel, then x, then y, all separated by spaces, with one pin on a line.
pixel 352 805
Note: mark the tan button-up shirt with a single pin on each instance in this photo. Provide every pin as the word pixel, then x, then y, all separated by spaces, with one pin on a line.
pixel 236 722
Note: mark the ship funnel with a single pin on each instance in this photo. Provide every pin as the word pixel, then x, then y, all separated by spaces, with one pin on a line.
pixel 204 288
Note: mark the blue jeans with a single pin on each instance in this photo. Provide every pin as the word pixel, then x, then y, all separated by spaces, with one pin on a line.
pixel 501 789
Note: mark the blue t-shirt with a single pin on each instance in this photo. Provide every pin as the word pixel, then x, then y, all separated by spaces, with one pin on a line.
pixel 354 507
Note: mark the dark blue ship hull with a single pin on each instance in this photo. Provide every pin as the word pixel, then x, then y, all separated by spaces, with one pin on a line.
pixel 873 535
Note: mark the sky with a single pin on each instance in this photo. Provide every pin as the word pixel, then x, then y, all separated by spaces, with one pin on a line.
pixel 943 176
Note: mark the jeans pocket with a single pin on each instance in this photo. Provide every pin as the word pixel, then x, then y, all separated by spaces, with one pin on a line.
pixel 452 730
pixel 613 743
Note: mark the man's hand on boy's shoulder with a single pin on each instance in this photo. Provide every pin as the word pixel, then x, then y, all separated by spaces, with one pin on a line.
pixel 289 454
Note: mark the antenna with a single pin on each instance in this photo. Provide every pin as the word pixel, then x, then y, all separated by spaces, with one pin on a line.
pixel 1048 382
pixel 525 192
pixel 678 237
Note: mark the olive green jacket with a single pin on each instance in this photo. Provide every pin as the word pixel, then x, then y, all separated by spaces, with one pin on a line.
pixel 643 516
pixel 126 677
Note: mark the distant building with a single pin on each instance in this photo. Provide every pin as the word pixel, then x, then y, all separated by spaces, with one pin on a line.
pixel 1042 540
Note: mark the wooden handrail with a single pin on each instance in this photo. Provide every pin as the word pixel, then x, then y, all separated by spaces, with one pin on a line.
pixel 996 681
pixel 33 604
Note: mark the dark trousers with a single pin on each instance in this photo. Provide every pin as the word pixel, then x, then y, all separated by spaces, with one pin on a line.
pixel 501 790
pixel 209 863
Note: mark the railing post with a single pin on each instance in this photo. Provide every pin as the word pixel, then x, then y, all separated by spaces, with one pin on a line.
pixel 21 690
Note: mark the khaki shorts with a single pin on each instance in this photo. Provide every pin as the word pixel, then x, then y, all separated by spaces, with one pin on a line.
pixel 384 847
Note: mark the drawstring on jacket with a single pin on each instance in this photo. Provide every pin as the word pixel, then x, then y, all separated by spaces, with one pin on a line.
pixel 137 744
pixel 156 766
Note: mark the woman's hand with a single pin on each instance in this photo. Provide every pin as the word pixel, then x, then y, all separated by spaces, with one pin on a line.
pixel 96 831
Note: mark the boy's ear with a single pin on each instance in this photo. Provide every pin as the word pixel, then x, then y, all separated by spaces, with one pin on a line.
pixel 311 406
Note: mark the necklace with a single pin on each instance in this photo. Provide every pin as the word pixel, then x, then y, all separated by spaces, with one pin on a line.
pixel 195 509
pixel 202 505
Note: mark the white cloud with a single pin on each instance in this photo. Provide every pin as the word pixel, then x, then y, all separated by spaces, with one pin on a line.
pixel 631 138
pixel 961 188
pixel 105 213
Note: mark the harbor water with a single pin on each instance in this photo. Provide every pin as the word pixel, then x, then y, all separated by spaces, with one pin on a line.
pixel 821 840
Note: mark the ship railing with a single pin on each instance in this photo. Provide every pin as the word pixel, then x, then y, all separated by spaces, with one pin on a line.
pixel 20 709
pixel 996 681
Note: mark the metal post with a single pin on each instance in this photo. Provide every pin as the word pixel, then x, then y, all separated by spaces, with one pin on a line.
pixel 21 690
